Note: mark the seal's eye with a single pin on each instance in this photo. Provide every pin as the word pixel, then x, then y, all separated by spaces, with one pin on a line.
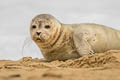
pixel 47 26
pixel 33 27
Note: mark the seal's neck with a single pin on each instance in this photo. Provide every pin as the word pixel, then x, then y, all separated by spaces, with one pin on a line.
pixel 58 37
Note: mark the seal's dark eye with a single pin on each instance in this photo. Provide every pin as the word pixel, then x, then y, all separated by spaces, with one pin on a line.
pixel 47 26
pixel 33 27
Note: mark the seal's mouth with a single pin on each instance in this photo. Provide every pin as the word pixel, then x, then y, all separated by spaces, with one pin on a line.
pixel 38 39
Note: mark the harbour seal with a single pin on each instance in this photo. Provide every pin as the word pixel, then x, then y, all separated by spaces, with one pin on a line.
pixel 58 41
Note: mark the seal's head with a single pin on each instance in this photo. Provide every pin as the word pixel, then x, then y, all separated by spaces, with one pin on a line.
pixel 44 28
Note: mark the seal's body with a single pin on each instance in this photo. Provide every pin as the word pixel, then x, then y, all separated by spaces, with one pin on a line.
pixel 59 41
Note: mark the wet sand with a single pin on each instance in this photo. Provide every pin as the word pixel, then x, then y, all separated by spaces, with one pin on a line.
pixel 102 66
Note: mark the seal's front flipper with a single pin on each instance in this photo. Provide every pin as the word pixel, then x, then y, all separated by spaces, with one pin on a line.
pixel 81 44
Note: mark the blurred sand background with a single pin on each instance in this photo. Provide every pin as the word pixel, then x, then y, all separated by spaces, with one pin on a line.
pixel 103 66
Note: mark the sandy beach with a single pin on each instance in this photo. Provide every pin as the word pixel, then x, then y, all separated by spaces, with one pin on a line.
pixel 102 66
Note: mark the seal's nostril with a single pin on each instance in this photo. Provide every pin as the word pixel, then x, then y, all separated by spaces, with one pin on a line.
pixel 38 33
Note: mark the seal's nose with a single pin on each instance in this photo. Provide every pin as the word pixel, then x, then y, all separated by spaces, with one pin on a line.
pixel 38 33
